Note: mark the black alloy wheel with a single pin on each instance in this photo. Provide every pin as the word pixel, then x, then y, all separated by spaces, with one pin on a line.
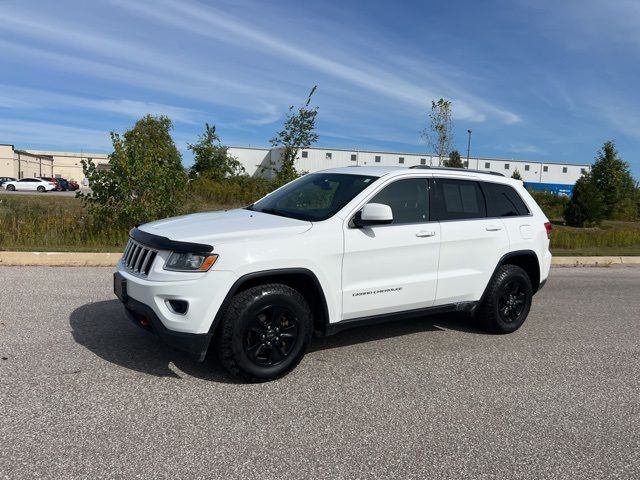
pixel 512 300
pixel 264 332
pixel 271 336
pixel 507 300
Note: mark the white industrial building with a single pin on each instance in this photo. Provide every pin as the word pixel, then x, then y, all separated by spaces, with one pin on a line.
pixel 37 163
pixel 552 176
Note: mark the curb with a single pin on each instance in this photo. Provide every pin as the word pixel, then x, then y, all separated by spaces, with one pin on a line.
pixel 593 261
pixel 59 259
pixel 88 259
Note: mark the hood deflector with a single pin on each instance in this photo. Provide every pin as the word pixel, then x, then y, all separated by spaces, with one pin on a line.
pixel 164 243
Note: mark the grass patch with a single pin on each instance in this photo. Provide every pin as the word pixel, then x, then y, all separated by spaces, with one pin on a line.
pixel 48 223
pixel 611 238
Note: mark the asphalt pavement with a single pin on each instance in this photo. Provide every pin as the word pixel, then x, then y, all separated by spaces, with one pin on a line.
pixel 84 393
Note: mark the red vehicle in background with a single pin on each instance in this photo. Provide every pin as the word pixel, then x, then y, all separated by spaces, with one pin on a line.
pixel 52 180
pixel 73 185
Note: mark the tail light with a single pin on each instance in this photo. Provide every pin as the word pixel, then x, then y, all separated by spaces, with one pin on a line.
pixel 548 227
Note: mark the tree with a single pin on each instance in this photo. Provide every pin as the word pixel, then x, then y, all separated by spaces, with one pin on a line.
pixel 297 133
pixel 516 175
pixel 211 158
pixel 612 177
pixel 586 206
pixel 454 160
pixel 145 179
pixel 439 134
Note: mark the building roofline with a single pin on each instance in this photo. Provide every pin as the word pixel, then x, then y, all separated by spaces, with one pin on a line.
pixel 67 154
pixel 252 148
pixel 31 154
pixel 422 154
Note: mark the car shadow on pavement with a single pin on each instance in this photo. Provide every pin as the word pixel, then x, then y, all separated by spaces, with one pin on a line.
pixel 370 333
pixel 103 329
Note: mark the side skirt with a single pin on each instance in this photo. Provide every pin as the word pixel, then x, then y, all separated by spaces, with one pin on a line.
pixel 462 307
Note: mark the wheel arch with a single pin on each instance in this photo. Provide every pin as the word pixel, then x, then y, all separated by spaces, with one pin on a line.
pixel 301 279
pixel 525 259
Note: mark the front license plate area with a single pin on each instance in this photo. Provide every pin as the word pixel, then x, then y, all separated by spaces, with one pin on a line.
pixel 120 287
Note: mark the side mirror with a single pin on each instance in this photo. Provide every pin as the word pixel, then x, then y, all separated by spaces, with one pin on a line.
pixel 373 214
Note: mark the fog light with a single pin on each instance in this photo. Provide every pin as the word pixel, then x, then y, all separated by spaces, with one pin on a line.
pixel 178 306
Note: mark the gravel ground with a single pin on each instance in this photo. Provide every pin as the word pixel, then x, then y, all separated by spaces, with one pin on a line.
pixel 83 393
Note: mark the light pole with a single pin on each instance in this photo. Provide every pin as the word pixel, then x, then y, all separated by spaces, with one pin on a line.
pixel 468 147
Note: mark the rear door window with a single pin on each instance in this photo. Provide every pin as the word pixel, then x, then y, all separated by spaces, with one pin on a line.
pixel 503 201
pixel 457 200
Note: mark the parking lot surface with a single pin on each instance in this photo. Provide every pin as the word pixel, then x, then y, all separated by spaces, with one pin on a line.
pixel 52 193
pixel 84 393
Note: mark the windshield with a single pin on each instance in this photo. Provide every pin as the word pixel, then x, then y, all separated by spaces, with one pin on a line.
pixel 314 197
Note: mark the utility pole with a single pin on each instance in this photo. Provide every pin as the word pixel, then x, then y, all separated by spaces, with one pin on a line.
pixel 468 147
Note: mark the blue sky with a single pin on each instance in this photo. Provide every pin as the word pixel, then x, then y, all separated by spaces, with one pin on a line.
pixel 533 79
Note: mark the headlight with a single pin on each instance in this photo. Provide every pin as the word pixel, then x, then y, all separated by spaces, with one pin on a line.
pixel 190 262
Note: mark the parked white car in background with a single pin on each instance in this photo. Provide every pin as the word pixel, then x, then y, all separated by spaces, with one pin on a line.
pixel 333 250
pixel 30 184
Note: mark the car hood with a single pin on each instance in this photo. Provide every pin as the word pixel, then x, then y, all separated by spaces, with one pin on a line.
pixel 222 227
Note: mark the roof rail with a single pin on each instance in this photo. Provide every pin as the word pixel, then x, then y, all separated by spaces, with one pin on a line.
pixel 456 169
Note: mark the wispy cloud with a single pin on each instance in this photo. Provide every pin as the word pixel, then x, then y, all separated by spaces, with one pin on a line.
pixel 269 114
pixel 524 148
pixel 49 135
pixel 213 23
pixel 581 24
pixel 536 77
pixel 621 115
pixel 88 52
pixel 19 98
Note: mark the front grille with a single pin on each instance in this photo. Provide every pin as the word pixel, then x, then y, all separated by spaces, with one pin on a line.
pixel 138 258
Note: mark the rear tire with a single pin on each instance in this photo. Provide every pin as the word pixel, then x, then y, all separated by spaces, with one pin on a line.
pixel 41 189
pixel 264 332
pixel 507 302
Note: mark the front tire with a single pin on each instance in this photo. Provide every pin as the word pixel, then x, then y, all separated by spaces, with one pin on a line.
pixel 264 332
pixel 11 188
pixel 507 302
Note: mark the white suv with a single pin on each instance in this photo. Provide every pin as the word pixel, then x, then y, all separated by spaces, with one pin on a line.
pixel 332 250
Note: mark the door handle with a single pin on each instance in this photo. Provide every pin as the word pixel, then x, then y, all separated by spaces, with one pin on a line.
pixel 493 228
pixel 423 233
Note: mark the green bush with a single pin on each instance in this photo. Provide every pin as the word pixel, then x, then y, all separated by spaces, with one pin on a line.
pixel 551 204
pixel 611 176
pixel 145 180
pixel 234 191
pixel 586 207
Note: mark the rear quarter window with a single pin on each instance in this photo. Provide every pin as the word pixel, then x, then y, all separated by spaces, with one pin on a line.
pixel 503 201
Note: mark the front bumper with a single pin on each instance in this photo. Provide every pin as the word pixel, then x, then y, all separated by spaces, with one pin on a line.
pixel 145 303
pixel 195 345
